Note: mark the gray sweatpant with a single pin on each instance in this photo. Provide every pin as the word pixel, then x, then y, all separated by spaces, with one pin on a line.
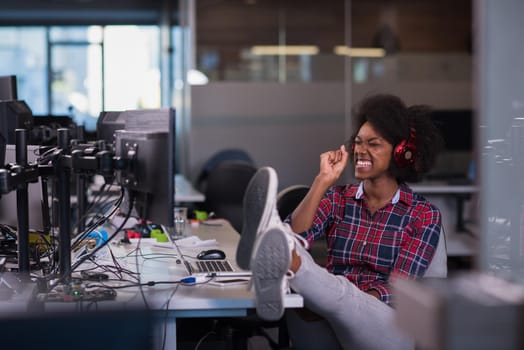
pixel 358 320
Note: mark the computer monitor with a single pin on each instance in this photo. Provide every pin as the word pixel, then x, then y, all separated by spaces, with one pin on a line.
pixel 456 127
pixel 14 115
pixel 149 135
pixel 109 122
pixel 38 220
pixel 8 88
pixel 457 130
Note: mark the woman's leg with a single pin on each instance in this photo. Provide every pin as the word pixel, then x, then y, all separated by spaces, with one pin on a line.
pixel 359 320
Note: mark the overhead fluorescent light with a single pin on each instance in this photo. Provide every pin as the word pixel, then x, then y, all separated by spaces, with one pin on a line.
pixel 360 51
pixel 261 50
pixel 196 77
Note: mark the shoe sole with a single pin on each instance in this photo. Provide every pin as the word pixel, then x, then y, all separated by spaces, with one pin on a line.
pixel 259 200
pixel 270 265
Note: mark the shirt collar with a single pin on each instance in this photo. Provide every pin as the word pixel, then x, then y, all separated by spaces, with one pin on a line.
pixel 394 200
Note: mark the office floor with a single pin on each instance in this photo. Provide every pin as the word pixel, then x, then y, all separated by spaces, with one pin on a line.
pixel 218 334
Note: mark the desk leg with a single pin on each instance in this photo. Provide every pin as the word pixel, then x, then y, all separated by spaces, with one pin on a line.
pixel 164 333
pixel 461 227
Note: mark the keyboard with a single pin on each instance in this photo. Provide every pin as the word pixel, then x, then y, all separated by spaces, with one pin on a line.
pixel 214 266
pixel 210 266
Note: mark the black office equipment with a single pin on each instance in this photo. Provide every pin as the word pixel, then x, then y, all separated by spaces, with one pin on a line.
pixel 14 115
pixel 17 178
pixel 109 122
pixel 8 88
pixel 38 207
pixel 44 131
pixel 148 142
pixel 456 127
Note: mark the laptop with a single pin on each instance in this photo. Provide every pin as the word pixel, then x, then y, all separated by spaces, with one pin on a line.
pixel 210 268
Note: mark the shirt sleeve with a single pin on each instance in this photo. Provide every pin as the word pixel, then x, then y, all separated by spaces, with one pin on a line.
pixel 418 248
pixel 323 218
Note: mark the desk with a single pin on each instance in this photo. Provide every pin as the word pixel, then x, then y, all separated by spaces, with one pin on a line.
pixel 450 200
pixel 442 187
pixel 183 301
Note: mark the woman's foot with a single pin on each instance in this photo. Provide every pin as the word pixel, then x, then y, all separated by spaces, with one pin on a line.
pixel 270 264
pixel 258 208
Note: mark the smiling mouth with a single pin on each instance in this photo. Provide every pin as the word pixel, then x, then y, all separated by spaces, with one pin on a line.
pixel 363 164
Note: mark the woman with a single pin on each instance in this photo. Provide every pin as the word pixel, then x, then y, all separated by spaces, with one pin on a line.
pixel 376 229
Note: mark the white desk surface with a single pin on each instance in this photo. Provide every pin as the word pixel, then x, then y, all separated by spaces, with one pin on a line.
pixel 441 187
pixel 180 301
pixel 197 297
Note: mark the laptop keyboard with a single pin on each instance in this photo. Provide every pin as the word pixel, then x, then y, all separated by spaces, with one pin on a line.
pixel 214 266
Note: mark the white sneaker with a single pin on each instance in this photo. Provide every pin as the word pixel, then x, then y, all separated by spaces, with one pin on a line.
pixel 270 269
pixel 259 214
pixel 259 207
pixel 270 265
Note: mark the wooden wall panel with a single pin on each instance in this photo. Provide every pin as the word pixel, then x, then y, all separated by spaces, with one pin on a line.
pixel 421 25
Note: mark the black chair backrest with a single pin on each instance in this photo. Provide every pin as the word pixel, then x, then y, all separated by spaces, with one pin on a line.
pixel 225 188
pixel 230 154
pixel 289 198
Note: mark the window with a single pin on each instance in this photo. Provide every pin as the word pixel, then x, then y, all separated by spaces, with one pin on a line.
pixel 80 71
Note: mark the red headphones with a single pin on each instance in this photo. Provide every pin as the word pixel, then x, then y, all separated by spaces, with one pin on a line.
pixel 406 151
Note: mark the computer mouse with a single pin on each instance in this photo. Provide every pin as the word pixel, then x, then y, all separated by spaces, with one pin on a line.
pixel 211 254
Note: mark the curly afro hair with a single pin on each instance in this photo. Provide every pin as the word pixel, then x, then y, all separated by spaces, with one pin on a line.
pixel 393 120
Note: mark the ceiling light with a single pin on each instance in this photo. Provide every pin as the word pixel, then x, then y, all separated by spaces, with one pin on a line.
pixel 196 77
pixel 260 50
pixel 359 51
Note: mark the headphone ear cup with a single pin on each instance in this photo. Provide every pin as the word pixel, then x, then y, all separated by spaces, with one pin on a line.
pixel 404 153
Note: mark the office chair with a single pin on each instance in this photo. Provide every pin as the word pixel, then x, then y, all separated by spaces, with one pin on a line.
pixel 225 188
pixel 229 154
pixel 289 198
pixel 287 201
pixel 438 268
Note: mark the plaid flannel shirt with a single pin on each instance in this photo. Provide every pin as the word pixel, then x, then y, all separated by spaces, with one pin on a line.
pixel 370 250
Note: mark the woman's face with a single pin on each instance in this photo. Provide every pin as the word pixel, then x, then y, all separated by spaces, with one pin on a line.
pixel 372 154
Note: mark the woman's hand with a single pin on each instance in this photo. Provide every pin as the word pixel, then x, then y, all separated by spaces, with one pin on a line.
pixel 332 164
